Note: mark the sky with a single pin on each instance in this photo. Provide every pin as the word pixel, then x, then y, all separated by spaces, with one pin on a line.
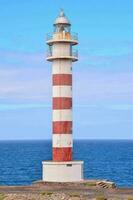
pixel 102 78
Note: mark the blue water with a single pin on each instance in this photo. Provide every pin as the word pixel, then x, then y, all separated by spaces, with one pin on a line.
pixel 20 161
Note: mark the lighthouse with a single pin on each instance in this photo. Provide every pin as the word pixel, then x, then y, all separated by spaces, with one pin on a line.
pixel 61 53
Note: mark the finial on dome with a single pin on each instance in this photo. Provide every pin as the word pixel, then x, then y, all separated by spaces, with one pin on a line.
pixel 62 14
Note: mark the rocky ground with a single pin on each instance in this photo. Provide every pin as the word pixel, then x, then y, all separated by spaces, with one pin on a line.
pixel 58 196
pixel 55 196
pixel 69 191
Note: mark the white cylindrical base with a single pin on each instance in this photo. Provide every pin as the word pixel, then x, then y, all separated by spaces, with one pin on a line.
pixel 71 171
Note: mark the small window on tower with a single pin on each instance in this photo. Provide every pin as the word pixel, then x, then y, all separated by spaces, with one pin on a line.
pixel 69 165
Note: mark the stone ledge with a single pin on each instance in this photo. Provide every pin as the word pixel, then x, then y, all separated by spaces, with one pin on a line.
pixel 92 183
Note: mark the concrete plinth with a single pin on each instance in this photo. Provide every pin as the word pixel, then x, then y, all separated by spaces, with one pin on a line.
pixel 71 171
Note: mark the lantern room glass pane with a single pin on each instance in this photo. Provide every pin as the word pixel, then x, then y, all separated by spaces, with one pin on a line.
pixel 61 28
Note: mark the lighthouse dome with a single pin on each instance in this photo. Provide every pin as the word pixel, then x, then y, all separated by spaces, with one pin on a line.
pixel 62 19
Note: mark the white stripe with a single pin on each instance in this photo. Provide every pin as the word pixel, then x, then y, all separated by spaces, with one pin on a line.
pixel 62 115
pixel 62 67
pixel 61 49
pixel 62 140
pixel 62 91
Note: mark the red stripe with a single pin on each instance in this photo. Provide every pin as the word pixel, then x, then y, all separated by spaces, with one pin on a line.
pixel 62 127
pixel 62 103
pixel 62 79
pixel 62 154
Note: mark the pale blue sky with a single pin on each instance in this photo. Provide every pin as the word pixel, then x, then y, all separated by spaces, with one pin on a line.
pixel 103 76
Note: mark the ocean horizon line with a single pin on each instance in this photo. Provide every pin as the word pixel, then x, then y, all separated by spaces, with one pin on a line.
pixel 78 139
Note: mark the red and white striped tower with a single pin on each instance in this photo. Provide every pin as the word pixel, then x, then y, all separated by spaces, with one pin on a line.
pixel 61 54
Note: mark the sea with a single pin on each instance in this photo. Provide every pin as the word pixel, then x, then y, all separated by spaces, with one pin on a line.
pixel 21 161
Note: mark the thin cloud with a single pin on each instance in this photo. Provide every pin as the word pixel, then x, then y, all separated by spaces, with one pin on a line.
pixel 12 107
pixel 32 81
pixel 10 59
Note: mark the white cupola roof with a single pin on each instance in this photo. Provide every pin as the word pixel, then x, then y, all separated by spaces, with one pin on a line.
pixel 62 19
